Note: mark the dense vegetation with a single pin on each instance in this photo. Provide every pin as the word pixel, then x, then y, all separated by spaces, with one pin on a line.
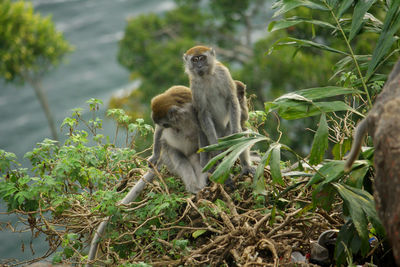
pixel 340 51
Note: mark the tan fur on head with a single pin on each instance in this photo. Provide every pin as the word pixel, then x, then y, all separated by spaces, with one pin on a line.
pixel 174 96
pixel 197 50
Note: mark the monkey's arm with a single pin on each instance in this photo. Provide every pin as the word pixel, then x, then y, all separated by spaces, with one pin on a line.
pixel 156 145
pixel 359 133
pixel 235 114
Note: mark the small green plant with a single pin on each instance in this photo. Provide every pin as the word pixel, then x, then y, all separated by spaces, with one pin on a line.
pixel 66 179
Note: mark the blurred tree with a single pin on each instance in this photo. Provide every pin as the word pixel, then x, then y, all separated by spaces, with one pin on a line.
pixel 153 45
pixel 29 47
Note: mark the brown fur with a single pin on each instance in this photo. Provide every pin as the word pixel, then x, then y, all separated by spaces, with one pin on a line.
pixel 174 96
pixel 197 50
pixel 244 111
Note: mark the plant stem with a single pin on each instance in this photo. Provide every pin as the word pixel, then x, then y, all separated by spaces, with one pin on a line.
pixel 351 53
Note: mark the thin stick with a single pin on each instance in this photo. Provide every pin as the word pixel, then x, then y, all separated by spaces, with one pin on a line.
pixel 132 194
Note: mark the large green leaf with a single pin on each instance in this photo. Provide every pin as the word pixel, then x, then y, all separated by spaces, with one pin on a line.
pixel 386 39
pixel 356 176
pixel 368 206
pixel 360 204
pixel 290 41
pixel 283 24
pixel 360 9
pixel 320 143
pixel 331 171
pixel 320 92
pixel 300 104
pixel 284 6
pixel 291 109
pixel 236 147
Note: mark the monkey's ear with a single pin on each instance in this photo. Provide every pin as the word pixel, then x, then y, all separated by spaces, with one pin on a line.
pixel 212 51
pixel 185 57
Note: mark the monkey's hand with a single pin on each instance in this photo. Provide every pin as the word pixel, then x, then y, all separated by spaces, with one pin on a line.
pixel 152 161
pixel 248 170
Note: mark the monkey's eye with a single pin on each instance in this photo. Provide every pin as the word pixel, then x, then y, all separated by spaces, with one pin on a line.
pixel 195 59
pixel 202 58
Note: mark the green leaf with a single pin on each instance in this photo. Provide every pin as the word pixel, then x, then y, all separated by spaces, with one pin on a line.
pixel 222 172
pixel 358 15
pixel 327 91
pixel 258 178
pixel 291 110
pixel 356 177
pixel 290 41
pixel 339 150
pixel 283 24
pixel 331 171
pixel 359 203
pixel 198 233
pixel 345 4
pixel 386 38
pixel 320 143
pixel 233 145
pixel 275 164
pixel 284 6
pixel 300 104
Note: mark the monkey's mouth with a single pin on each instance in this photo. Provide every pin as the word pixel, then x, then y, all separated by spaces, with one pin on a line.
pixel 200 72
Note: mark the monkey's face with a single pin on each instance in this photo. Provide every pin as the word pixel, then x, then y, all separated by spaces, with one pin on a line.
pixel 199 64
pixel 199 60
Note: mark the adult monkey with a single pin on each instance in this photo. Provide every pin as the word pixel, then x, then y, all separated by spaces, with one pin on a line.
pixel 176 137
pixel 215 99
pixel 175 145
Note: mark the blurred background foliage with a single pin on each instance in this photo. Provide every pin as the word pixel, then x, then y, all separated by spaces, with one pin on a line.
pixel 153 45
pixel 29 46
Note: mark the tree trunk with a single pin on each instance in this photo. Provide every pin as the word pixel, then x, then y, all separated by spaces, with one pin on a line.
pixel 37 86
pixel 383 123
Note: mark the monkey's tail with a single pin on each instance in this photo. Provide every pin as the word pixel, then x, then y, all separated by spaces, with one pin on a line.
pixel 132 194
pixel 359 133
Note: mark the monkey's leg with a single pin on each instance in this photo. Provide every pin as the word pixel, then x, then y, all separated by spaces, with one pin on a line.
pixel 180 165
pixel 246 163
pixel 204 156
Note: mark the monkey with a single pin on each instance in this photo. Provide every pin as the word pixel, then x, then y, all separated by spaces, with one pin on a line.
pixel 176 137
pixel 244 110
pixel 215 98
pixel 175 145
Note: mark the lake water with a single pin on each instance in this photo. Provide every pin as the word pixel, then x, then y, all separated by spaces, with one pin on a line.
pixel 93 27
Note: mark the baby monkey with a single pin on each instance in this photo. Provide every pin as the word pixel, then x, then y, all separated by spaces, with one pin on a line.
pixel 176 137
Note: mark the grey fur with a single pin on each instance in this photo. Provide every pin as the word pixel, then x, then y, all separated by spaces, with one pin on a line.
pixel 216 102
pixel 176 146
